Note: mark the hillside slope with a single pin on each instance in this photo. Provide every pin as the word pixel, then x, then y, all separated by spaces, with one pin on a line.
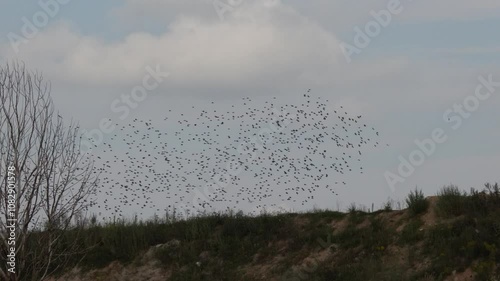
pixel 448 237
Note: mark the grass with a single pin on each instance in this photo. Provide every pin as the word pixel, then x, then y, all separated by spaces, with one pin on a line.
pixel 416 202
pixel 412 232
pixel 388 205
pixel 472 239
pixel 451 202
pixel 367 247
pixel 124 241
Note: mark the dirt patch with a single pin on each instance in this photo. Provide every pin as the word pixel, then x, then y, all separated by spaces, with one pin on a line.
pixel 430 217
pixel 116 272
pixel 301 222
pixel 339 225
pixel 394 219
pixel 262 271
pixel 364 224
pixel 467 275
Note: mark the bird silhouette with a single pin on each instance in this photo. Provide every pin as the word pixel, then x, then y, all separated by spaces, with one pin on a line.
pixel 279 152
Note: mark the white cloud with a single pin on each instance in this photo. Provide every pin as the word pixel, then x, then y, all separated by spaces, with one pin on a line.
pixel 256 50
pixel 451 10
pixel 342 16
pixel 255 46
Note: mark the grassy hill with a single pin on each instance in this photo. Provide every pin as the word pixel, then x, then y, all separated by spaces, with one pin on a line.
pixel 451 236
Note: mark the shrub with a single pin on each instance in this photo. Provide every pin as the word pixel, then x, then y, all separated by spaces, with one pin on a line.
pixel 412 233
pixel 416 202
pixel 356 214
pixel 476 203
pixel 481 203
pixel 450 201
pixel 388 205
pixel 352 209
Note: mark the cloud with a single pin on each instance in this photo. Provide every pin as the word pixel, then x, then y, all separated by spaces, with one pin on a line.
pixel 341 16
pixel 468 51
pixel 254 46
pixel 135 14
pixel 256 50
pixel 419 11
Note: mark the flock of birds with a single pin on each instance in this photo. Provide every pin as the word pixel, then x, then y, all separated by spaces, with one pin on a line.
pixel 258 152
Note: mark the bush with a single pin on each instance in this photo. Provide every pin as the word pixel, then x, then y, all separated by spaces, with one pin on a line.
pixel 450 201
pixel 412 232
pixel 416 202
pixel 388 205
pixel 352 209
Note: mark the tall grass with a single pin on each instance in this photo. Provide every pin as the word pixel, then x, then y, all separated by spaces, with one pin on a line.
pixel 472 239
pixel 416 202
pixel 124 240
pixel 451 201
pixel 233 240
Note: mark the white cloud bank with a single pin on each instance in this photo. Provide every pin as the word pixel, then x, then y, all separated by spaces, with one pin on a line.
pixel 255 44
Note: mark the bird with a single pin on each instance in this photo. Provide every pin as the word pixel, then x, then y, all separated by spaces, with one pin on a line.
pixel 282 151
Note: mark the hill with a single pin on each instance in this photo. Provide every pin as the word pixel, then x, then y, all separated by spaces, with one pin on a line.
pixel 451 236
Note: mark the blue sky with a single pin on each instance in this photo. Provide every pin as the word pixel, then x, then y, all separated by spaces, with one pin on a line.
pixel 426 60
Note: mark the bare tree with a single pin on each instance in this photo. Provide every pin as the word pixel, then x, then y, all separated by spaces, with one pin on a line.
pixel 41 160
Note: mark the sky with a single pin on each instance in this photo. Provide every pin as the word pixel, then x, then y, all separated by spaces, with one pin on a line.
pixel 407 66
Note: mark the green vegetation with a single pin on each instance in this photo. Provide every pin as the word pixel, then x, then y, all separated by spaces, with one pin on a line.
pixel 451 201
pixel 412 232
pixel 416 202
pixel 388 205
pixel 319 245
